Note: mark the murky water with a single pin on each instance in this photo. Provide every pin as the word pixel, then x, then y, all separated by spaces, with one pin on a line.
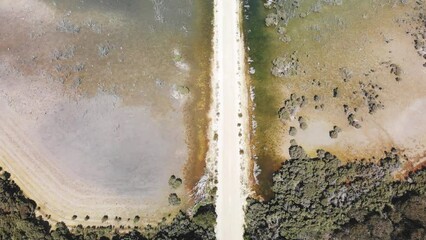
pixel 115 92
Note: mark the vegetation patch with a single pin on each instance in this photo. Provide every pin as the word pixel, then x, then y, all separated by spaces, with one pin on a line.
pixel 314 197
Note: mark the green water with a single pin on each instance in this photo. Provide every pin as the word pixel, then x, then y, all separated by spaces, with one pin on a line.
pixel 262 46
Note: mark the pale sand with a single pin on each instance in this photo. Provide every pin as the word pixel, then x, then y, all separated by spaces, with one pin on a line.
pixel 229 67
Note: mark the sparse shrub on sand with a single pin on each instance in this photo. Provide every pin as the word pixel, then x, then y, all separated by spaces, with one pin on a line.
pixel 94 26
pixel 335 132
pixel 104 49
pixel 302 123
pixel 292 131
pixel 66 26
pixel 371 97
pixel 78 67
pixel 291 106
pixel 64 54
pixel 336 92
pixel 317 98
pixel 175 182
pixel 174 200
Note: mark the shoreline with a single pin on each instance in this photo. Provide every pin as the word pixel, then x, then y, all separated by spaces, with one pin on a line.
pixel 196 110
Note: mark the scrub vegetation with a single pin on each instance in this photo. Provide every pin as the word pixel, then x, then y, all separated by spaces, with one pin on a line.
pixel 316 198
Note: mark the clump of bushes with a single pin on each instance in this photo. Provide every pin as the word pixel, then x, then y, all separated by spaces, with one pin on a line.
pixel 335 132
pixel 291 105
pixel 302 123
pixel 292 131
pixel 175 182
pixel 371 97
pixel 174 200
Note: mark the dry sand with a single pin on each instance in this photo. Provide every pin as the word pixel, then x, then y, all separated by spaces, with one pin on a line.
pixel 229 67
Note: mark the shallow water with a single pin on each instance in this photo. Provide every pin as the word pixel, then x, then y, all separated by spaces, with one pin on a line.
pixel 110 103
pixel 346 35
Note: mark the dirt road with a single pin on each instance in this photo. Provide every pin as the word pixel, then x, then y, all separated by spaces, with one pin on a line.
pixel 229 60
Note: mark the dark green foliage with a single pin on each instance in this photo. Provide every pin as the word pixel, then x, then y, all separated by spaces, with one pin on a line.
pixel 62 232
pixel 183 228
pixel 205 217
pixel 404 220
pixel 17 218
pixel 316 196
pixel 133 235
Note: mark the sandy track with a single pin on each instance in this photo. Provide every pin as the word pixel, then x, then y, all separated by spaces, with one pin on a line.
pixel 229 65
